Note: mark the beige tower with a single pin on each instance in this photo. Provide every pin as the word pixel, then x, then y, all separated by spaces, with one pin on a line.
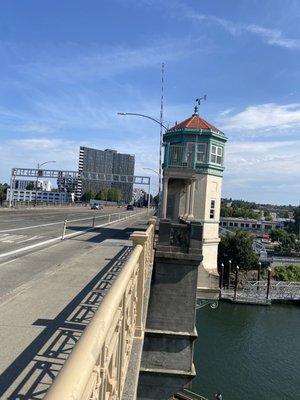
pixel 192 181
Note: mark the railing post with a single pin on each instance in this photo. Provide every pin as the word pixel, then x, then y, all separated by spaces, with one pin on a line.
pixel 236 282
pixel 258 274
pixel 269 282
pixel 64 229
pixel 94 218
pixel 109 218
pixel 221 276
pixel 140 238
pixel 229 272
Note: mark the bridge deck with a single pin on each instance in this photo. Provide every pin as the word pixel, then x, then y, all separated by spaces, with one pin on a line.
pixel 52 296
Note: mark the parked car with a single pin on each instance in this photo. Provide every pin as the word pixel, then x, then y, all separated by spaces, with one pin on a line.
pixel 129 207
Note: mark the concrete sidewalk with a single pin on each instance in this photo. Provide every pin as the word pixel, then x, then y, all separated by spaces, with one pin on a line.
pixel 46 300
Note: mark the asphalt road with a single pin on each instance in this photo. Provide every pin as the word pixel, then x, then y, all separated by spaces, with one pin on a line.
pixel 48 296
pixel 23 228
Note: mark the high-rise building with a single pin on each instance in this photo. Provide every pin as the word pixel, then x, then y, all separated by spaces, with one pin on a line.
pixel 105 161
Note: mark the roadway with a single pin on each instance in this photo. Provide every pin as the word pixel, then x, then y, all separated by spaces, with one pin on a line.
pixel 48 295
pixel 22 228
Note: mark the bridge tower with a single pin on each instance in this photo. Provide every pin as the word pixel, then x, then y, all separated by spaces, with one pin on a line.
pixel 192 180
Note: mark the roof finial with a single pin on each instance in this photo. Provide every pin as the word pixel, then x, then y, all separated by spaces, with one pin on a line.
pixel 198 102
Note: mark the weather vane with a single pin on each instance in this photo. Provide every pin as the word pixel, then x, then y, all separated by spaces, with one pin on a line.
pixel 198 102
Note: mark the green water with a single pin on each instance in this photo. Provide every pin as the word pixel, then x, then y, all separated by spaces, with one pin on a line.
pixel 248 352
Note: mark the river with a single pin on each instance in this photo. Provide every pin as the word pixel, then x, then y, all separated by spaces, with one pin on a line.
pixel 248 352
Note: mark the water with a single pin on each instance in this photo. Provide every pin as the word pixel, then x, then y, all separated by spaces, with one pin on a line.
pixel 248 352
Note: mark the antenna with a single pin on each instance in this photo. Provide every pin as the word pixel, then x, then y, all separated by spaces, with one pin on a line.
pixel 161 131
pixel 198 101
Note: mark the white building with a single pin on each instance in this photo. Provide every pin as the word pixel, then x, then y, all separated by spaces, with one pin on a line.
pixel 253 225
pixel 39 196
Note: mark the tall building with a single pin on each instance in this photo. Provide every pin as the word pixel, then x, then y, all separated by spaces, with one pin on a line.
pixel 105 161
pixel 192 180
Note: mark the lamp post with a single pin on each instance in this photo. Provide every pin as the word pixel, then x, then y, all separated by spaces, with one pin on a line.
pixel 157 173
pixel 37 176
pixel 160 146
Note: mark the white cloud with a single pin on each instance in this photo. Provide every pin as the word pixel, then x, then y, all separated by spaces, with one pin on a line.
pixel 267 117
pixel 274 37
pixel 263 170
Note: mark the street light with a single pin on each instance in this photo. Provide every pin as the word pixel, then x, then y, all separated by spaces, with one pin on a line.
pixel 153 170
pixel 160 145
pixel 37 176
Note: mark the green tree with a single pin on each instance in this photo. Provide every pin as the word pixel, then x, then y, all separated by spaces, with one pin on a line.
pixel 237 247
pixel 30 186
pixel 289 273
pixel 296 226
pixel 3 191
pixel 88 196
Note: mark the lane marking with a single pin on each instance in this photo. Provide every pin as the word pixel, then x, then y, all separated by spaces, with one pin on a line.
pixel 57 239
pixel 33 226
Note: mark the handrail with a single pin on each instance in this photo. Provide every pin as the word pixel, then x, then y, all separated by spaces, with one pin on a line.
pixel 97 365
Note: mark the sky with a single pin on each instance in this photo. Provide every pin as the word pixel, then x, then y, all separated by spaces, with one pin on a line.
pixel 68 66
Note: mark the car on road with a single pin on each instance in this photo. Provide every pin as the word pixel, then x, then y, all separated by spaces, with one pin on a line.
pixel 129 207
pixel 96 206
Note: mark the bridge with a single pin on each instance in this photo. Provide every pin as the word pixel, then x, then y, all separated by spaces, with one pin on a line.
pixel 81 310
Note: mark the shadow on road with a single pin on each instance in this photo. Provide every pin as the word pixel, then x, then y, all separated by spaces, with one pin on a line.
pixel 33 371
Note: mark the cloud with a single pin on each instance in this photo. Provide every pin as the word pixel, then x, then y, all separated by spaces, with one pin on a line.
pixel 262 170
pixel 28 152
pixel 268 117
pixel 96 62
pixel 274 37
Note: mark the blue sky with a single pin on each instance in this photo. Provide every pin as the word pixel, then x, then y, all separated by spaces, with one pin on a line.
pixel 67 67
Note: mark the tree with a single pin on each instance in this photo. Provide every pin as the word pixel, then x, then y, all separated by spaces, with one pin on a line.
pixel 237 247
pixel 287 242
pixel 88 196
pixel 296 225
pixel 30 186
pixel 3 191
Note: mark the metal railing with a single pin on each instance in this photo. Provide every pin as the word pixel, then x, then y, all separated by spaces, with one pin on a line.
pixel 94 222
pixel 97 366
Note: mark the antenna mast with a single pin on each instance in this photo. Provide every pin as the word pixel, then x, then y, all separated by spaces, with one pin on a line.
pixel 161 131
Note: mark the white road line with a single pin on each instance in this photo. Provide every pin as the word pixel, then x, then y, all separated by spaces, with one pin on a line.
pixel 31 238
pixel 57 239
pixel 33 226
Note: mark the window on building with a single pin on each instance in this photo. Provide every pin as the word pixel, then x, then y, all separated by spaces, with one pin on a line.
pixel 253 225
pixel 247 225
pixel 230 223
pixel 212 209
pixel 242 225
pixel 216 156
pixel 201 152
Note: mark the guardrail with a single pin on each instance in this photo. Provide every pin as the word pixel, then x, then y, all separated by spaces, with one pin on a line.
pixel 114 217
pixel 97 366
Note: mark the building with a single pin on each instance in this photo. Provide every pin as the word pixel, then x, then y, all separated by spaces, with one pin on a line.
pixel 251 225
pixel 139 196
pixel 192 180
pixel 108 162
pixel 20 195
pixel 23 184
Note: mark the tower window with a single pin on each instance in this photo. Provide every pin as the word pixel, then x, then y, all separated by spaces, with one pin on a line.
pixel 212 209
pixel 201 152
pixel 216 156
